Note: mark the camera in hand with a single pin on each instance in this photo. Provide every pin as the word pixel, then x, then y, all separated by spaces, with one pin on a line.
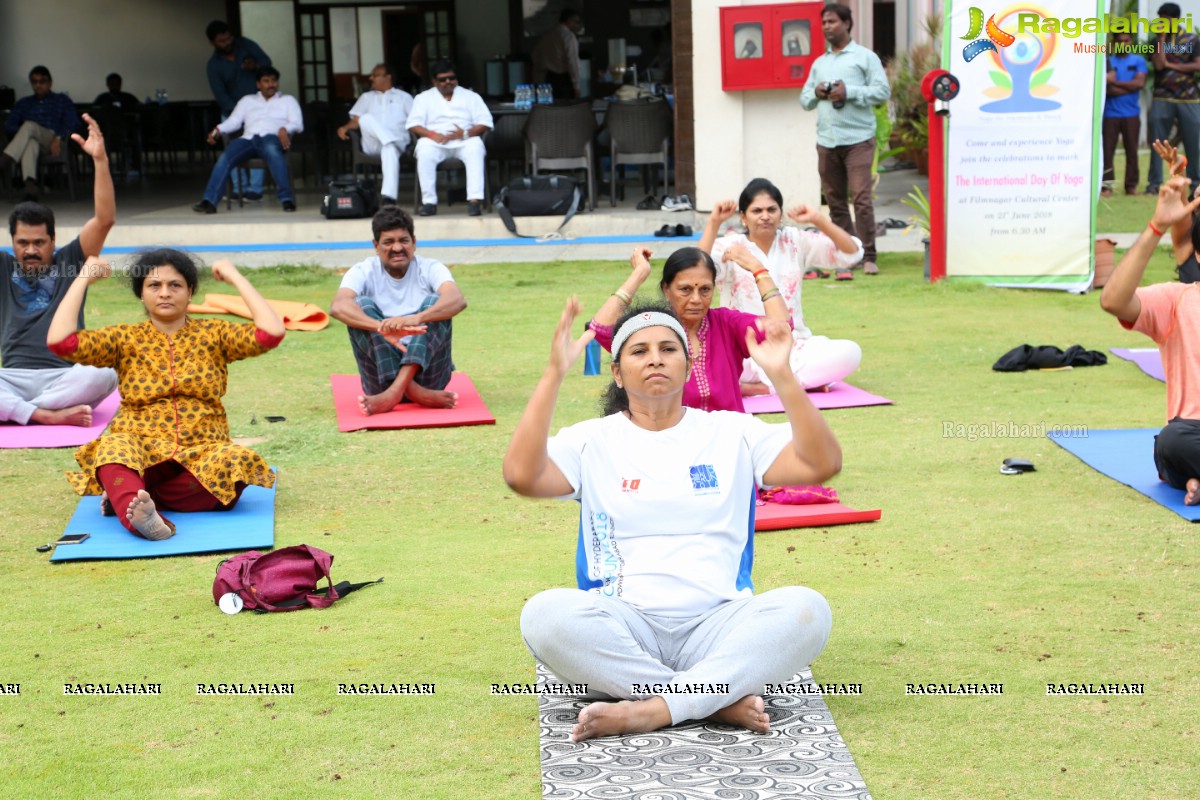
pixel 828 86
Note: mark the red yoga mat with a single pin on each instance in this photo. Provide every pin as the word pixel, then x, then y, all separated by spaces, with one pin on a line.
pixel 470 410
pixel 779 516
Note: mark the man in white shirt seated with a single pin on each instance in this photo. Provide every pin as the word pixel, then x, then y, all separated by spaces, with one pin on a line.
pixel 381 114
pixel 450 122
pixel 268 120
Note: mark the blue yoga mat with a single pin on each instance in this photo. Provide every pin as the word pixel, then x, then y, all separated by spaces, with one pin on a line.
pixel 250 525
pixel 1127 456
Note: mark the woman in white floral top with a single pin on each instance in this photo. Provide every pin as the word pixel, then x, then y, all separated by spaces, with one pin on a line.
pixel 788 253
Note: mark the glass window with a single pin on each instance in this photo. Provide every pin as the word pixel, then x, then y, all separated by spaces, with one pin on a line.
pixel 748 40
pixel 306 24
pixel 796 37
pixel 320 44
pixel 318 24
pixel 306 49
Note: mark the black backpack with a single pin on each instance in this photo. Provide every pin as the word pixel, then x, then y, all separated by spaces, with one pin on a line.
pixel 349 199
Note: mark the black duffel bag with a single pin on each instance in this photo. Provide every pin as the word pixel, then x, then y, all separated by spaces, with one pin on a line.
pixel 349 199
pixel 538 196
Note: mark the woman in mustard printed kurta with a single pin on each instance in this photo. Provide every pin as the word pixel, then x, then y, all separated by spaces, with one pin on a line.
pixel 170 439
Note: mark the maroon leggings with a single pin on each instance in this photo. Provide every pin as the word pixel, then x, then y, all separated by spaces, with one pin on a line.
pixel 170 485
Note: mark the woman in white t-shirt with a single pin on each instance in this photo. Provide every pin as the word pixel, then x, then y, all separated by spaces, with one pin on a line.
pixel 667 621
pixel 790 255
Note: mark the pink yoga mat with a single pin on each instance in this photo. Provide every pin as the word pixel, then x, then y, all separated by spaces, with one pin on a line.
pixel 470 410
pixel 31 436
pixel 778 516
pixel 840 395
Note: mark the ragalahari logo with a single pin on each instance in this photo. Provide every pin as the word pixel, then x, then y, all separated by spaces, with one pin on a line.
pixel 995 37
pixel 1021 62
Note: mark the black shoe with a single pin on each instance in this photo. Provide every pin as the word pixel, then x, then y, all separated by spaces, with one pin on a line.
pixel 288 205
pixel 427 210
pixel 253 197
pixel 474 208
pixel 384 200
pixel 204 207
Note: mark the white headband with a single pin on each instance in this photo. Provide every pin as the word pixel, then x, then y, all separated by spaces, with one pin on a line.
pixel 648 319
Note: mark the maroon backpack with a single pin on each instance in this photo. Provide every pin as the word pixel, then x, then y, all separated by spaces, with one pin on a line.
pixel 282 580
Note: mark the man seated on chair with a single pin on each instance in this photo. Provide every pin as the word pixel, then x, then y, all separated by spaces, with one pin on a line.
pixel 450 122
pixel 37 125
pixel 267 120
pixel 381 115
pixel 397 307
pixel 37 386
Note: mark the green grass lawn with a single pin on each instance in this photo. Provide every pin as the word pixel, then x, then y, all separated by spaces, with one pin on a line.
pixel 1124 213
pixel 971 576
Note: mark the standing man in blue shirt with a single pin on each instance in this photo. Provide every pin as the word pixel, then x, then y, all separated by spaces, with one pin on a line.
pixel 1122 112
pixel 233 74
pixel 37 125
pixel 843 86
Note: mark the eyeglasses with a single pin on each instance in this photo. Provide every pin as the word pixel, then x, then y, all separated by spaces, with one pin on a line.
pixel 445 78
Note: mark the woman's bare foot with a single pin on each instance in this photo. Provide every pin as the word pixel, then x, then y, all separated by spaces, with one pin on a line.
pixel 431 398
pixel 1192 497
pixel 755 389
pixel 378 403
pixel 746 713
pixel 616 719
pixel 75 415
pixel 146 520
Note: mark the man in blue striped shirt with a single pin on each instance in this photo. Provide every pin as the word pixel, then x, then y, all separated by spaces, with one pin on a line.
pixel 843 86
pixel 38 124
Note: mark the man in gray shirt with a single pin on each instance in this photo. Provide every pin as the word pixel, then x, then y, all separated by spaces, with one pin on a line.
pixel 843 86
pixel 37 386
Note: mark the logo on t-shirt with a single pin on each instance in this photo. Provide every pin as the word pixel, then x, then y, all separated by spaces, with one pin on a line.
pixel 630 484
pixel 704 479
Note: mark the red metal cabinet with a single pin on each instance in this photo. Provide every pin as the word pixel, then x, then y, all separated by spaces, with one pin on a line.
pixel 769 46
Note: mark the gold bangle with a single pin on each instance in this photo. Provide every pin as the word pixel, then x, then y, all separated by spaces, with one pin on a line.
pixel 623 297
pixel 769 294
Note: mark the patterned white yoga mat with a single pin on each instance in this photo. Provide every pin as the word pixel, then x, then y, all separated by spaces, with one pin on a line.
pixel 803 756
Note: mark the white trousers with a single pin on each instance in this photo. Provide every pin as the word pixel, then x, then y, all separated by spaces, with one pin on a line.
pixel 817 361
pixel 30 141
pixel 429 154
pixel 388 145
pixel 735 648
pixel 23 391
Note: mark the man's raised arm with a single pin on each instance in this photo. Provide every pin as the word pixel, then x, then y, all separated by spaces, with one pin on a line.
pixel 104 215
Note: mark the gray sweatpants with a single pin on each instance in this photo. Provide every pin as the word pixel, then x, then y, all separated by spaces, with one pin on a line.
pixel 23 391
pixel 584 637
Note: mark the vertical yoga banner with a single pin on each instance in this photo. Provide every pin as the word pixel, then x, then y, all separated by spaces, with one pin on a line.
pixel 1022 142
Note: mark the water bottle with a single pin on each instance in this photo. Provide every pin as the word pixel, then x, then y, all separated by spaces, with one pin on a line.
pixel 520 98
pixel 544 93
pixel 591 358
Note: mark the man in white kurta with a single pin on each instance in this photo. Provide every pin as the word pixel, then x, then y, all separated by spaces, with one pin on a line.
pixel 450 122
pixel 381 115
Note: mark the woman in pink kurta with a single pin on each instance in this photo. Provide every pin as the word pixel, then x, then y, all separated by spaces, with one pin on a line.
pixel 716 336
pixel 788 254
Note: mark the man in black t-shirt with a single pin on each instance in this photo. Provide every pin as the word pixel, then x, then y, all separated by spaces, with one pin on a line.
pixel 35 385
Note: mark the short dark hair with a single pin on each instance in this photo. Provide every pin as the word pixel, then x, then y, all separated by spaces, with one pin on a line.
pixel 40 70
pixel 756 187
pixel 440 66
pixel 843 13
pixel 567 15
pixel 386 67
pixel 391 218
pixel 615 399
pixel 1170 11
pixel 686 258
pixel 265 71
pixel 216 28
pixel 31 213
pixel 113 76
pixel 148 260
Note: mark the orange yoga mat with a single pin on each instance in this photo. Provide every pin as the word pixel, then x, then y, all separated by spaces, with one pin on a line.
pixel 780 516
pixel 469 411
pixel 296 316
